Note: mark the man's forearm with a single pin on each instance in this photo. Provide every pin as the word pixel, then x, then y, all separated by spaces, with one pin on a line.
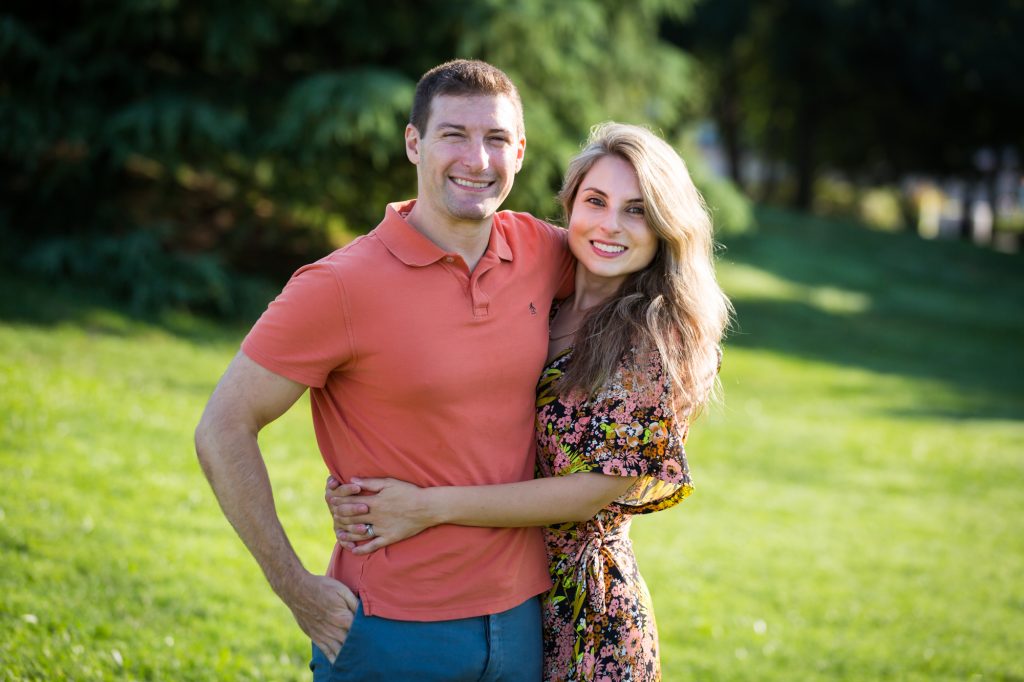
pixel 247 398
pixel 233 465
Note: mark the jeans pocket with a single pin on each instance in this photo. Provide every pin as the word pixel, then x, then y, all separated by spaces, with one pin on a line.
pixel 341 669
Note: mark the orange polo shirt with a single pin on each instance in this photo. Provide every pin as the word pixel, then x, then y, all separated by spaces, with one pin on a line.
pixel 421 370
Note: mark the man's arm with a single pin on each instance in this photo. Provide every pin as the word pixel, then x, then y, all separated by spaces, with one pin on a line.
pixel 247 398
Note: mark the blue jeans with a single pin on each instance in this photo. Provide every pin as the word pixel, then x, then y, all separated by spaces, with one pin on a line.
pixel 502 647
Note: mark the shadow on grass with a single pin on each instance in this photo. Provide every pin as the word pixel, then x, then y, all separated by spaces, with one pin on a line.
pixel 38 303
pixel 947 312
pixel 942 311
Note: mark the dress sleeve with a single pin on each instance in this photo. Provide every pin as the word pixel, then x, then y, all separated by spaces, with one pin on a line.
pixel 633 430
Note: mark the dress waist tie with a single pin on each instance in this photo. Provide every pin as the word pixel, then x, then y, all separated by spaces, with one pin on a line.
pixel 591 557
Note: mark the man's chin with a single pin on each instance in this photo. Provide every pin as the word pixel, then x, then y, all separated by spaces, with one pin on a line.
pixel 481 211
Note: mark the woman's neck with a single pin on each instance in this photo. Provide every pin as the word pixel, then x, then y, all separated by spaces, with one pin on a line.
pixel 592 290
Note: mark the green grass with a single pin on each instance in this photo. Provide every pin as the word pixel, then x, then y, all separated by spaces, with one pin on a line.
pixel 858 511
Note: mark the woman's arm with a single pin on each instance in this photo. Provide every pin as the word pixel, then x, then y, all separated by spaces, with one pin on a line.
pixel 399 510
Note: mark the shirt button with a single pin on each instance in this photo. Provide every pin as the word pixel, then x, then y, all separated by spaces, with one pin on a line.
pixel 449 259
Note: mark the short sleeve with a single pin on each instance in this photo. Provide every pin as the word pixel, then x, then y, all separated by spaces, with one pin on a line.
pixel 305 333
pixel 633 430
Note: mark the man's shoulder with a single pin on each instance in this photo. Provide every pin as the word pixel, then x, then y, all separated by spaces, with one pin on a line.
pixel 526 231
pixel 362 252
pixel 366 249
pixel 517 220
pixel 355 262
pixel 541 244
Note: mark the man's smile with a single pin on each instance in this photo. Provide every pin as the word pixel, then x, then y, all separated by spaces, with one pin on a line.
pixel 471 184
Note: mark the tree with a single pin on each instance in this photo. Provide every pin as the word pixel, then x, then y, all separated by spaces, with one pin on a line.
pixel 873 88
pixel 171 139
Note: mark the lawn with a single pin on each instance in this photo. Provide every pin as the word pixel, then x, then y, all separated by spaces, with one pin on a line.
pixel 858 512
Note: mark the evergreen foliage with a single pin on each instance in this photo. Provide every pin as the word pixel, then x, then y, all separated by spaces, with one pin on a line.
pixel 253 136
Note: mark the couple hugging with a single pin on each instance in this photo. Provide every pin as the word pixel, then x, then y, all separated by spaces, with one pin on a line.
pixel 494 397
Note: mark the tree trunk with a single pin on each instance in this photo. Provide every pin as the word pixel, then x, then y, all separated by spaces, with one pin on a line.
pixel 966 219
pixel 806 133
pixel 729 120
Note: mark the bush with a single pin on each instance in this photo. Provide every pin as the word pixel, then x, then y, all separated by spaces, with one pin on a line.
pixel 138 269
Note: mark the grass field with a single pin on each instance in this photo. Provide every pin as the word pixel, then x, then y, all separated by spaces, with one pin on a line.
pixel 858 513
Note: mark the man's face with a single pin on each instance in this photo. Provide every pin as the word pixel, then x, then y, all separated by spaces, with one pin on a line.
pixel 467 158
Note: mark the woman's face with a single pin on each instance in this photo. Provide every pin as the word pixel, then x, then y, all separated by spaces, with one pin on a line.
pixel 608 231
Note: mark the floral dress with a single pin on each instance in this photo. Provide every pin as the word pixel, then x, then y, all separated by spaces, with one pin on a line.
pixel 598 618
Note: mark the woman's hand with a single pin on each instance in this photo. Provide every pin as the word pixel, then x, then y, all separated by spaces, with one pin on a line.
pixel 396 510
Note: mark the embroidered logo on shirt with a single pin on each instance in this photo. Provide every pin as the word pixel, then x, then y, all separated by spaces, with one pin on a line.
pixel 533 309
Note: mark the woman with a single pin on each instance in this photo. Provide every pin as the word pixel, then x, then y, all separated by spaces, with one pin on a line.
pixel 633 355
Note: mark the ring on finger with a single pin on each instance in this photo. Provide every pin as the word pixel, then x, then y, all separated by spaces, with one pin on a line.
pixel 369 530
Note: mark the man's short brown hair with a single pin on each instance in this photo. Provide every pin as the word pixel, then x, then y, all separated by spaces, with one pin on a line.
pixel 462 78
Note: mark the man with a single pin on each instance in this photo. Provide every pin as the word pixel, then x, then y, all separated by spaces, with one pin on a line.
pixel 421 344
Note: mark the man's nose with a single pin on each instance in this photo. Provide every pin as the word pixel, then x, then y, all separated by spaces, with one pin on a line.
pixel 476 157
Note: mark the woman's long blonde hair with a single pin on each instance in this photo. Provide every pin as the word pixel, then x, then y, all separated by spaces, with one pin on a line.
pixel 674 305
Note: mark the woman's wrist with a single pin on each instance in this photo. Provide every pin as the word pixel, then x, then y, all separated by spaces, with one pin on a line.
pixel 435 511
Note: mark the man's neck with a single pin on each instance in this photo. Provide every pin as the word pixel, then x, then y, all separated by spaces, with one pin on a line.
pixel 468 238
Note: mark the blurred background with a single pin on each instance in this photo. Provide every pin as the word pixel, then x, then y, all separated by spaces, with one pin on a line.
pixel 163 148
pixel 166 164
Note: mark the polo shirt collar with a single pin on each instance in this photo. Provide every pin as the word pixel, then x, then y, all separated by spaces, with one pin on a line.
pixel 498 242
pixel 410 246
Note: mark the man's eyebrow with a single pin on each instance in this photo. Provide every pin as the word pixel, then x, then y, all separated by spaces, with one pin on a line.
pixel 459 126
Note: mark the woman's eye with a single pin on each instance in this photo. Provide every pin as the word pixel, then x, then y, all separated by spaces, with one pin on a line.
pixel 636 210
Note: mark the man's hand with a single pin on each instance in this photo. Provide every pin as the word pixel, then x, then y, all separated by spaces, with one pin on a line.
pixel 324 608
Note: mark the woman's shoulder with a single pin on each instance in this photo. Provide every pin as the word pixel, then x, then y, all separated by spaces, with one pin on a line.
pixel 638 381
pixel 644 371
pixel 643 364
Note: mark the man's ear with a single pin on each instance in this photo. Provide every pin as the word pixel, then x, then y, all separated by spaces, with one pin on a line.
pixel 520 152
pixel 412 143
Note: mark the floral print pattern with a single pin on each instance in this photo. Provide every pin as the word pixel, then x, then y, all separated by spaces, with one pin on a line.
pixel 598 618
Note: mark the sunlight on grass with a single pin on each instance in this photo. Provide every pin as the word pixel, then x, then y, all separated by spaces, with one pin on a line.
pixel 856 515
pixel 745 281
